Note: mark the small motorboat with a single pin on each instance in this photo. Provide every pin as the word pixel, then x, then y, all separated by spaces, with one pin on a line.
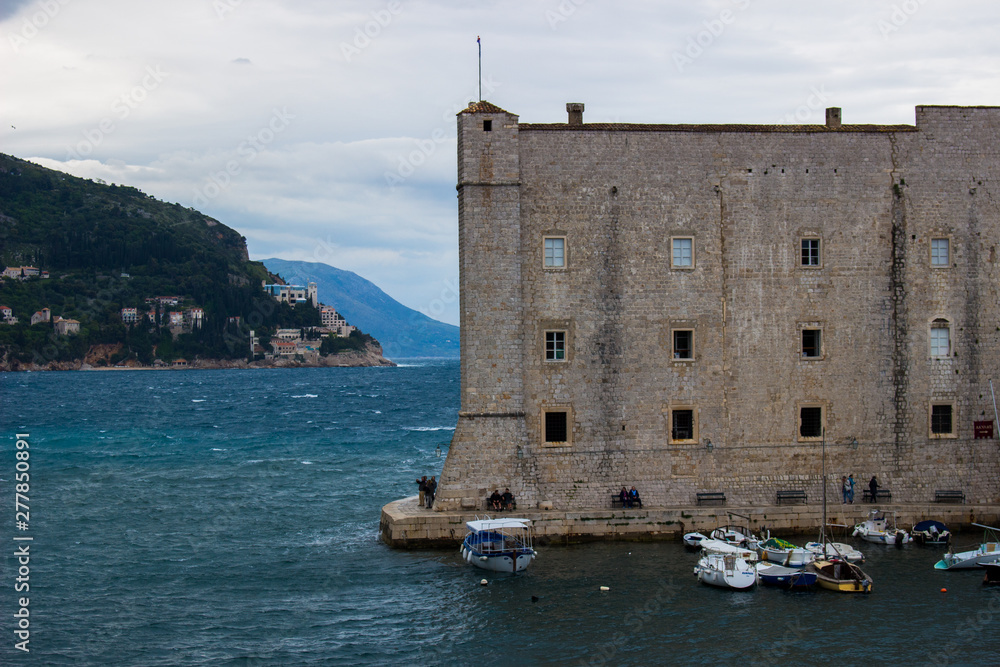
pixel 777 550
pixel 930 532
pixel 710 546
pixel 792 578
pixel 840 576
pixel 725 571
pixel 879 529
pixel 992 576
pixel 736 535
pixel 836 551
pixel 501 545
pixel 693 540
pixel 987 552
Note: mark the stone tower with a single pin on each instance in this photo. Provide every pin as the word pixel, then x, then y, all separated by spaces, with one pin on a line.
pixel 490 435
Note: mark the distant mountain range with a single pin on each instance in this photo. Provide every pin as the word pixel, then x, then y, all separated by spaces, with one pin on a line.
pixel 403 332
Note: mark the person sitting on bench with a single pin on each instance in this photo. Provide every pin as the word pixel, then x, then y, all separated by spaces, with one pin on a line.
pixel 507 499
pixel 495 500
pixel 633 498
pixel 623 496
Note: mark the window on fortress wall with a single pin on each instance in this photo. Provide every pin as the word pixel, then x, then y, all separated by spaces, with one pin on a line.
pixel 810 422
pixel 811 343
pixel 682 425
pixel 810 252
pixel 942 421
pixel 682 253
pixel 940 338
pixel 555 252
pixel 487 126
pixel 683 344
pixel 940 252
pixel 555 424
pixel 555 346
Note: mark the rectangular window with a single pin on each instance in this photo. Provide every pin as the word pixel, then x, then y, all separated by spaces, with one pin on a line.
pixel 682 250
pixel 811 343
pixel 556 427
pixel 487 126
pixel 682 425
pixel 555 253
pixel 941 421
pixel 940 252
pixel 940 339
pixel 810 422
pixel 555 346
pixel 683 344
pixel 810 252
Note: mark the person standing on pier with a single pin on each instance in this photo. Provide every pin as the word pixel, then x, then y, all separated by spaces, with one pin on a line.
pixel 873 489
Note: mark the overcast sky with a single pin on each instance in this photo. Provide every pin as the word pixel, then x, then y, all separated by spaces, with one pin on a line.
pixel 325 131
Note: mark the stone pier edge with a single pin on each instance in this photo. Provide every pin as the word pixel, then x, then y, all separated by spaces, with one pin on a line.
pixel 404 525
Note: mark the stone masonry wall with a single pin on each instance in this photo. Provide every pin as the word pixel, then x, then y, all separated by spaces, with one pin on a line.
pixel 874 196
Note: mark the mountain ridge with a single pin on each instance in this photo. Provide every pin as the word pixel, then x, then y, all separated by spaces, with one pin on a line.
pixel 402 331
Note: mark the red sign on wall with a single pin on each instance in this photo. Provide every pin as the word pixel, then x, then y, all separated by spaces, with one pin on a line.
pixel 983 430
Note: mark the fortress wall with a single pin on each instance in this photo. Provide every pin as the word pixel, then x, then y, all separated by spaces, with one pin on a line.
pixel 874 196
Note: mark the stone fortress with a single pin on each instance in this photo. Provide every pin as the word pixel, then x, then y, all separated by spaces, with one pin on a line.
pixel 691 308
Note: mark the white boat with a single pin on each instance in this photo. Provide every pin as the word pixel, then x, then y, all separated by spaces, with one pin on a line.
pixel 725 571
pixel 930 532
pixel 710 546
pixel 501 545
pixel 735 535
pixel 776 550
pixel 836 550
pixel 693 540
pixel 796 578
pixel 879 529
pixel 987 552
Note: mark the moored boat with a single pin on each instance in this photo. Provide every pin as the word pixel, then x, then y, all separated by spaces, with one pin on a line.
pixel 500 545
pixel 930 532
pixel 992 576
pixel 777 550
pixel 840 576
pixel 710 546
pixel 836 550
pixel 693 540
pixel 771 574
pixel 879 529
pixel 725 571
pixel 987 552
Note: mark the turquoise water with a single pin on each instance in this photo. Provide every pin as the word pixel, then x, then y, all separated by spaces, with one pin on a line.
pixel 231 518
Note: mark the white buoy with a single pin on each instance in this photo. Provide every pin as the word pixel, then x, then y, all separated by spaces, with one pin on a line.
pixel 605 588
pixel 483 582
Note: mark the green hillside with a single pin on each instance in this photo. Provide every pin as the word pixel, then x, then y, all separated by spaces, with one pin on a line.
pixel 108 247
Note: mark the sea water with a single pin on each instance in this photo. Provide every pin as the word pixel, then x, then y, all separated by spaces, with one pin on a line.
pixel 231 518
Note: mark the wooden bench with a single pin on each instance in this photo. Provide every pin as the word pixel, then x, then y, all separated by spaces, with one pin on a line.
pixel 883 494
pixel 792 495
pixel 488 507
pixel 616 501
pixel 705 497
pixel 946 496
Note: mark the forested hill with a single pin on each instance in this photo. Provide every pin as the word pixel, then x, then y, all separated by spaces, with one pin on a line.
pixel 108 247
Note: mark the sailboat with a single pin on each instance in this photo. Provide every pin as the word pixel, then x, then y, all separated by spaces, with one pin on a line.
pixel 836 574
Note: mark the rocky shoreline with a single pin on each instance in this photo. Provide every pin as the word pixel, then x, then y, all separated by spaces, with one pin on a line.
pixel 372 356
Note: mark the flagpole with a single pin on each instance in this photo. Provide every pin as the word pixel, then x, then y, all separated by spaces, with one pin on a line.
pixel 480 68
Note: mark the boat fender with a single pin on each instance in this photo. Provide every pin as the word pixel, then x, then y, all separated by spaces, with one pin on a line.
pixel 483 582
pixel 605 588
pixel 482 558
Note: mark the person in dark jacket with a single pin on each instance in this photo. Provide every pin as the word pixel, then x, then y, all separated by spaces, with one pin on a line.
pixel 422 487
pixel 633 498
pixel 873 488
pixel 495 501
pixel 623 496
pixel 507 499
pixel 429 493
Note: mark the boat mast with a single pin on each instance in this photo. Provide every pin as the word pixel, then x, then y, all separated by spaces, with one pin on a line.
pixel 822 530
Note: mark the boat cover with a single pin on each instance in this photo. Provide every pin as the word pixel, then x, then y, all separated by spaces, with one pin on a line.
pixel 926 525
pixel 496 524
